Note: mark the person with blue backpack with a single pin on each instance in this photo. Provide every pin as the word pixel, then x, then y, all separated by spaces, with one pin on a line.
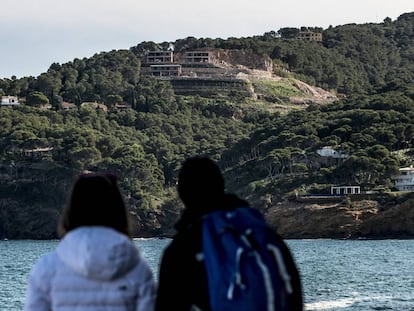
pixel 224 256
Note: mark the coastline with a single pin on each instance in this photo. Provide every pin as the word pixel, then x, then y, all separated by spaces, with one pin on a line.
pixel 356 220
pixel 376 218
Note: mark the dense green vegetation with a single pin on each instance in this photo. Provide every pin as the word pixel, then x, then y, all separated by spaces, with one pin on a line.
pixel 262 154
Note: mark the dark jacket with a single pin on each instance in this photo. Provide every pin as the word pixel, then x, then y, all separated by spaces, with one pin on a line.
pixel 182 278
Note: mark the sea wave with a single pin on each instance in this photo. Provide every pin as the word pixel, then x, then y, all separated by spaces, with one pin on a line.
pixel 327 305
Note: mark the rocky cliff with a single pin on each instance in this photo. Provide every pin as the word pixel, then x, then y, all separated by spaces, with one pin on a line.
pixel 380 218
pixel 369 218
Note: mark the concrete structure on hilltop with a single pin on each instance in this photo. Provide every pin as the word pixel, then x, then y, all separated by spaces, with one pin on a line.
pixel 160 57
pixel 167 64
pixel 166 70
pixel 197 57
pixel 310 36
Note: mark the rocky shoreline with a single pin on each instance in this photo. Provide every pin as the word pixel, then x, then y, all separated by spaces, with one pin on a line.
pixel 380 216
pixel 371 219
pixel 385 216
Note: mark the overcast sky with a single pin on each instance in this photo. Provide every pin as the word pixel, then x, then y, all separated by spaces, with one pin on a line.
pixel 36 33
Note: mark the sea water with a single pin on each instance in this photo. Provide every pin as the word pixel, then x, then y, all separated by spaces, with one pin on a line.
pixel 340 275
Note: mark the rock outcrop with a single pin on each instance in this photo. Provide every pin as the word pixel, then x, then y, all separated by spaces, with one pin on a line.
pixel 360 219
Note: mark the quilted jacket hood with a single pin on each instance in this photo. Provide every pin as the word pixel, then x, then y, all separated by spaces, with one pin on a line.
pixel 99 253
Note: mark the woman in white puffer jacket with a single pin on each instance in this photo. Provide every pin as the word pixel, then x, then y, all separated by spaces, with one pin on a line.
pixel 96 266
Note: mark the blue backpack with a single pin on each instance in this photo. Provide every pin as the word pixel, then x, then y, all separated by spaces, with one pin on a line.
pixel 244 262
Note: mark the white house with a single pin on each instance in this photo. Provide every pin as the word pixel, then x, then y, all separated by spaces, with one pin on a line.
pixel 9 101
pixel 404 181
pixel 332 153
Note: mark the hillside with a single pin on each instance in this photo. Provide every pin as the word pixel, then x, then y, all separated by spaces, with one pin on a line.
pixel 264 124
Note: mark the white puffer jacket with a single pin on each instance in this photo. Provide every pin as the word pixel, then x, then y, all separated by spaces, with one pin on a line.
pixel 93 268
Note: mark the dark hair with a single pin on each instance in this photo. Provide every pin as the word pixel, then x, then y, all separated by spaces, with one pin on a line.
pixel 200 183
pixel 95 200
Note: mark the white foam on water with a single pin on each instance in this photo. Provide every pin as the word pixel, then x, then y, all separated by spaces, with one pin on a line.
pixel 330 304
